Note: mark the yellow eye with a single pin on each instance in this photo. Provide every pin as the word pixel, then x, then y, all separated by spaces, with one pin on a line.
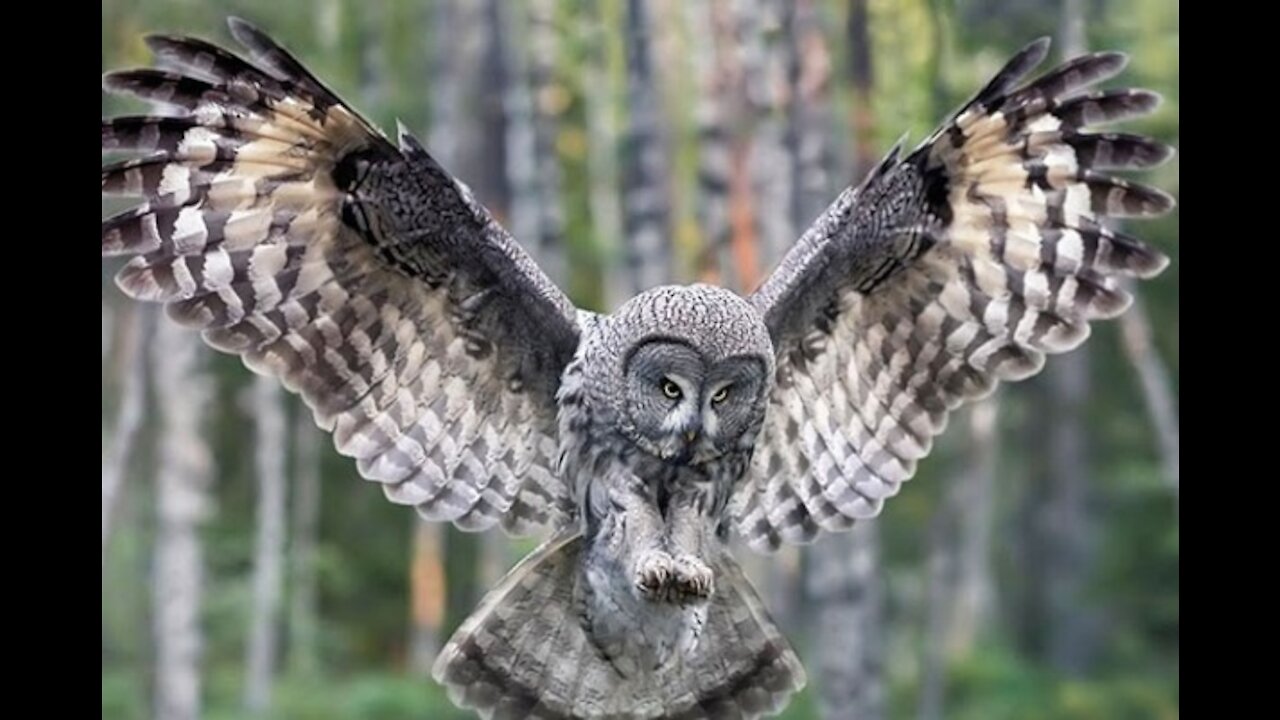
pixel 670 389
pixel 720 396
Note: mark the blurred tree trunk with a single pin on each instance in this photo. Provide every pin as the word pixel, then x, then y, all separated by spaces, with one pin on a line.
pixel 1065 518
pixel 709 111
pixel 842 574
pixel 645 165
pixel 538 81
pixel 711 51
pixel 810 125
pixel 134 334
pixel 770 162
pixel 975 498
pixel 843 582
pixel 268 556
pixel 601 109
pixel 304 622
pixel 1135 329
pixel 960 585
pixel 182 479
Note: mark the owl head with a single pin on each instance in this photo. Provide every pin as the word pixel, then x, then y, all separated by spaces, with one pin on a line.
pixel 690 370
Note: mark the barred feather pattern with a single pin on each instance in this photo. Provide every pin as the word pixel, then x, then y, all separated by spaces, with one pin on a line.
pixel 525 653
pixel 962 265
pixel 296 235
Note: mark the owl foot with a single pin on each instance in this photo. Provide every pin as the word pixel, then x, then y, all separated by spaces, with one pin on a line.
pixel 693 581
pixel 653 575
pixel 684 580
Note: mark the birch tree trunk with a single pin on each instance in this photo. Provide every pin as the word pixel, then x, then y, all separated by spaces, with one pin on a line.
pixel 600 105
pixel 182 479
pixel 960 588
pixel 765 43
pixel 1157 390
pixel 304 651
pixel 135 335
pixel 268 561
pixel 843 583
pixel 974 599
pixel 645 166
pixel 537 81
pixel 1066 519
pixel 710 56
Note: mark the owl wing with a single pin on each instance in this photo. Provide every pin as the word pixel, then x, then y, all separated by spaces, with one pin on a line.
pixel 946 271
pixel 363 275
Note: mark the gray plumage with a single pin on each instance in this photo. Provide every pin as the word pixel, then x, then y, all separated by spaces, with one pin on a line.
pixel 364 276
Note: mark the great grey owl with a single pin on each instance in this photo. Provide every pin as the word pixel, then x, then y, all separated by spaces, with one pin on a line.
pixel 362 274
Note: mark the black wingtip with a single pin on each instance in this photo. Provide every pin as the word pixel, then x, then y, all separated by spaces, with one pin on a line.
pixel 118 81
pixel 1023 62
pixel 1038 48
pixel 1147 100
pixel 237 24
pixel 1113 60
pixel 246 33
pixel 1155 154
pixel 1027 59
pixel 157 41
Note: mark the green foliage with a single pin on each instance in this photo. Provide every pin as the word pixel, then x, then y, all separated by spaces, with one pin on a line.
pixel 357 697
pixel 995 685
pixel 123 692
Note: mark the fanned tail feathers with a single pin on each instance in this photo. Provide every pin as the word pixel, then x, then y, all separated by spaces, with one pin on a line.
pixel 524 654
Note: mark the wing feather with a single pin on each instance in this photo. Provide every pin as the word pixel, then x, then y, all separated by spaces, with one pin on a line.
pixel 962 265
pixel 293 233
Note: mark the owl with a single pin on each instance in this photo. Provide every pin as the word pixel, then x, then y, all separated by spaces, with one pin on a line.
pixel 355 269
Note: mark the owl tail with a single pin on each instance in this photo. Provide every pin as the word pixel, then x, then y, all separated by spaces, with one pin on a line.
pixel 524 653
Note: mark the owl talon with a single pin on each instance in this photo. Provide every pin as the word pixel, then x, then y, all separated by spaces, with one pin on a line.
pixel 693 581
pixel 653 575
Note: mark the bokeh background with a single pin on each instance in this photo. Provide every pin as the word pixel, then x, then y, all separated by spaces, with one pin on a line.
pixel 1031 569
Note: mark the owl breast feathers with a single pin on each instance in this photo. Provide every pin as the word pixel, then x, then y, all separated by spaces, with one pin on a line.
pixel 292 232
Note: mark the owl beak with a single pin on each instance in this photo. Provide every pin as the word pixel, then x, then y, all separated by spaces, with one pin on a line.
pixel 690 436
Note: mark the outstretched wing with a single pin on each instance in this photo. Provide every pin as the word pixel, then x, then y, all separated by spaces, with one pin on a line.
pixel 959 266
pixel 364 276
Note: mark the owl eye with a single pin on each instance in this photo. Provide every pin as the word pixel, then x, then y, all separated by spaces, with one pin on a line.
pixel 720 395
pixel 671 389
